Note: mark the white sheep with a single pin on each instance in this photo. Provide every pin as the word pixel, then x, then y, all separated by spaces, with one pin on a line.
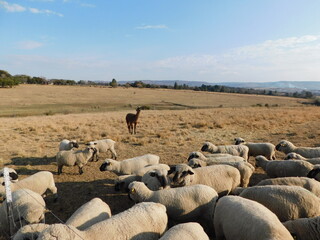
pixel 156 179
pixel 66 145
pixel 255 149
pixel 287 202
pixel 296 156
pixel 243 219
pixel 103 146
pixel 236 150
pixel 28 207
pixel 72 158
pixel 294 168
pixel 12 174
pixel 305 182
pixel 89 214
pixel 215 157
pixel 144 221
pixel 129 166
pixel 307 152
pixel 39 182
pixel 184 204
pixel 304 228
pixel 151 167
pixel 122 182
pixel 30 231
pixel 185 231
pixel 84 217
pixel 222 178
pixel 246 169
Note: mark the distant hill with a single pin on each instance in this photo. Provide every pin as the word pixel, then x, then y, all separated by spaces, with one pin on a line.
pixel 285 86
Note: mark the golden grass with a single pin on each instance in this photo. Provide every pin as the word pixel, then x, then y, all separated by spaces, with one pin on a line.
pixel 29 144
pixel 26 100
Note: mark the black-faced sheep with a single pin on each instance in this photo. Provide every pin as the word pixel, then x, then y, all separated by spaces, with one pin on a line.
pixel 307 152
pixel 236 150
pixel 255 149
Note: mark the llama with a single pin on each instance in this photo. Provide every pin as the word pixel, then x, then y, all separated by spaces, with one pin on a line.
pixel 132 120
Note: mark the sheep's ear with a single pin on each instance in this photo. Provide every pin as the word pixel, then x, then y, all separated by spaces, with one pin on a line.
pixel 132 191
pixel 152 174
pixel 190 172
pixel 172 169
pixel 108 163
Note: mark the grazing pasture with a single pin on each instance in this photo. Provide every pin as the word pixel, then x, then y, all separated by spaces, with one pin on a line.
pixel 177 124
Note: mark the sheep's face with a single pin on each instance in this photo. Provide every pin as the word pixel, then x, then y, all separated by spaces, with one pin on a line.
pixel 205 147
pixel 194 155
pixel 291 156
pixel 106 166
pixel 194 163
pixel 161 178
pixel 74 144
pixel 314 173
pixel 180 175
pixel 238 141
pixel 282 145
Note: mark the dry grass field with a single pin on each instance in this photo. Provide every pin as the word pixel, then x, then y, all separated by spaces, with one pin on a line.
pixel 29 144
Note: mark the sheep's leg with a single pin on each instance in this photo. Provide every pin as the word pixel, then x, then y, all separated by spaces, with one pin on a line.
pixel 80 170
pixel 60 169
pixel 114 154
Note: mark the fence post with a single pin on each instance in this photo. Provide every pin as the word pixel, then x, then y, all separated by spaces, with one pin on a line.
pixel 7 183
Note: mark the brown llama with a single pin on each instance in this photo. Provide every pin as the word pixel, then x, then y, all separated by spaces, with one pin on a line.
pixel 132 120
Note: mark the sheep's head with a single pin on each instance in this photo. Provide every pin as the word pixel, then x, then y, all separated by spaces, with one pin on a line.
pixel 108 165
pixel 134 189
pixel 293 156
pixel 195 163
pixel 156 179
pixel 260 160
pixel 205 147
pixel 74 144
pixel 314 173
pixel 238 140
pixel 194 155
pixel 282 145
pixel 181 174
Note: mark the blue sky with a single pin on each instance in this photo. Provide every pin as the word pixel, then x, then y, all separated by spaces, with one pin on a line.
pixel 203 40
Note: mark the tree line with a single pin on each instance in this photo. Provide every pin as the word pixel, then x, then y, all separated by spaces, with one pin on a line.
pixel 7 80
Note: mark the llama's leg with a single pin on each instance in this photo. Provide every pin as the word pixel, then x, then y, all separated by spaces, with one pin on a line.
pixel 128 127
pixel 135 128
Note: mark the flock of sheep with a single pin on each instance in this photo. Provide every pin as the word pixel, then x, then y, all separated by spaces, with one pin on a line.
pixel 206 197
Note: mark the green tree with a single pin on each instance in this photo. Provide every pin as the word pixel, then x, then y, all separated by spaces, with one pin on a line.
pixel 114 83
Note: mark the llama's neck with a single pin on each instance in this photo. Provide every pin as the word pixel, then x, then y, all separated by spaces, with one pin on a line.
pixel 137 115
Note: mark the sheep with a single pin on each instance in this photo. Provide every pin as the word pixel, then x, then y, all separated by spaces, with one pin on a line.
pixel 184 204
pixel 104 146
pixel 148 168
pixel 185 231
pixel 255 149
pixel 236 150
pixel 222 178
pixel 121 183
pixel 287 202
pixel 296 156
pixel 66 145
pixel 144 221
pixel 307 183
pixel 87 215
pixel 304 228
pixel 156 179
pixel 27 207
pixel 307 152
pixel 246 169
pixel 294 168
pixel 314 173
pixel 129 166
pixel 39 182
pixel 72 158
pixel 216 157
pixel 12 174
pixel 242 219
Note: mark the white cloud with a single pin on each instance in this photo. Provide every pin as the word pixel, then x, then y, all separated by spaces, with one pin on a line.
pixel 29 45
pixel 12 7
pixel 161 26
pixel 89 5
pixel 18 8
